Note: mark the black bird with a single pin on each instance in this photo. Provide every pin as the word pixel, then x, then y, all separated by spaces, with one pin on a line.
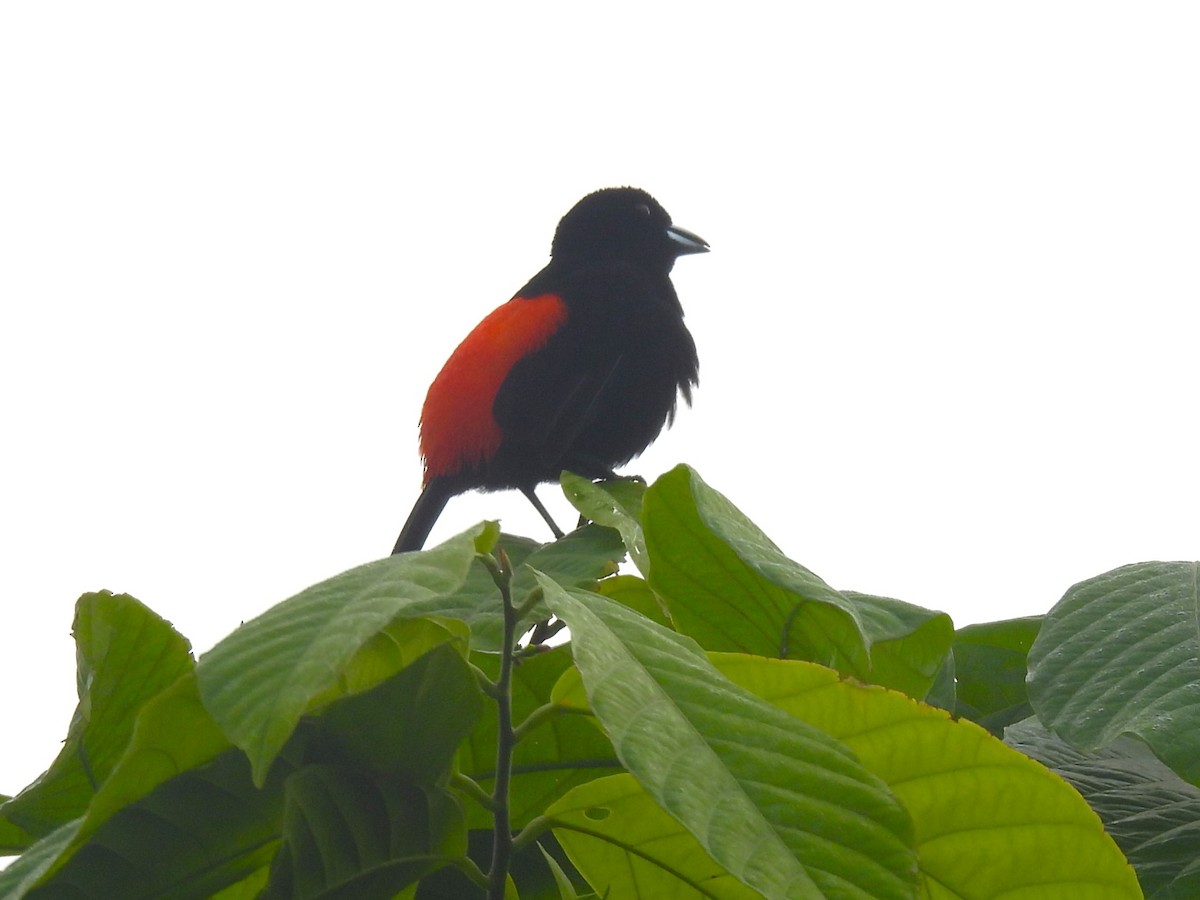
pixel 580 370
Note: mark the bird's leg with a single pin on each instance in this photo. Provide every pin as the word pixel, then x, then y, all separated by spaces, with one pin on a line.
pixel 543 630
pixel 537 504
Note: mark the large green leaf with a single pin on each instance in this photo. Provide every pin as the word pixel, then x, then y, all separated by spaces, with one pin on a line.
pixel 191 836
pixel 126 654
pixel 776 803
pixel 209 828
pixel 260 680
pixel 348 834
pixel 1120 654
pixel 173 734
pixel 990 668
pixel 989 821
pixel 561 752
pixel 908 643
pixel 410 725
pixel 1152 813
pixel 628 846
pixel 729 587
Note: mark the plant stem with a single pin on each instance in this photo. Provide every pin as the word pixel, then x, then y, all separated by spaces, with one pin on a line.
pixel 531 832
pixel 472 790
pixel 472 871
pixel 502 843
pixel 539 716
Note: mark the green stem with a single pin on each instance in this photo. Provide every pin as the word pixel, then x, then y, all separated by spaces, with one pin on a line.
pixel 485 684
pixel 542 714
pixel 472 871
pixel 472 789
pixel 531 832
pixel 502 843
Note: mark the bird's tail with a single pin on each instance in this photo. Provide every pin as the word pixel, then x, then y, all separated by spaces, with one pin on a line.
pixel 424 514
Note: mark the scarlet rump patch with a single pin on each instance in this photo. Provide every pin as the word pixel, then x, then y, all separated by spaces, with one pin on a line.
pixel 458 430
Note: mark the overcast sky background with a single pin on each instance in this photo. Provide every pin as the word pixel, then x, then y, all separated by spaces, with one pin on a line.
pixel 947 329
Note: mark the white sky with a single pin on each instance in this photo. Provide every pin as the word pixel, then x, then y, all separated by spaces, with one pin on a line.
pixel 947 331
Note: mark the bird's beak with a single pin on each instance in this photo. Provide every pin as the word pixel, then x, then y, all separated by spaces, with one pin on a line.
pixel 685 242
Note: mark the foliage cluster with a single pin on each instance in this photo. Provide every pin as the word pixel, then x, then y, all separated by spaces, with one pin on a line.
pixel 725 725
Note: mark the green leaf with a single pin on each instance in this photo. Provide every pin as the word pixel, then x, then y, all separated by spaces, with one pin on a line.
pixel 565 750
pixel 249 888
pixel 908 643
pixel 566 890
pixel 173 734
pixel 260 680
pixel 126 654
pixel 410 725
pixel 616 503
pixel 729 587
pixel 527 871
pixel 31 866
pixel 942 691
pixel 631 591
pixel 349 834
pixel 1152 813
pixel 990 666
pixel 989 821
pixel 1120 654
pixel 476 602
pixel 781 806
pixel 13 838
pixel 191 836
pixel 579 558
pixel 628 846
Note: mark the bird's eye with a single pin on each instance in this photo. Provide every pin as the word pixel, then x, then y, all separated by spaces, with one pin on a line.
pixel 643 209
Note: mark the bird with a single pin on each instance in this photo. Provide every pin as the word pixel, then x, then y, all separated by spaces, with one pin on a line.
pixel 579 371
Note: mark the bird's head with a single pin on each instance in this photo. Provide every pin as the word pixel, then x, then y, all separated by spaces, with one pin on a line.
pixel 622 224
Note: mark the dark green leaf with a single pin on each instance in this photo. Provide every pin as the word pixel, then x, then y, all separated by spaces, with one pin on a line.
pixel 990 665
pixel 188 838
pixel 1152 813
pixel 1120 654
pixel 410 725
pixel 349 835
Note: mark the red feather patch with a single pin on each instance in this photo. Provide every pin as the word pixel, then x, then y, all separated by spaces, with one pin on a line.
pixel 458 430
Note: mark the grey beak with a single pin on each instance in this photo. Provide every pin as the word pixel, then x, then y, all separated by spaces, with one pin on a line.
pixel 685 242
